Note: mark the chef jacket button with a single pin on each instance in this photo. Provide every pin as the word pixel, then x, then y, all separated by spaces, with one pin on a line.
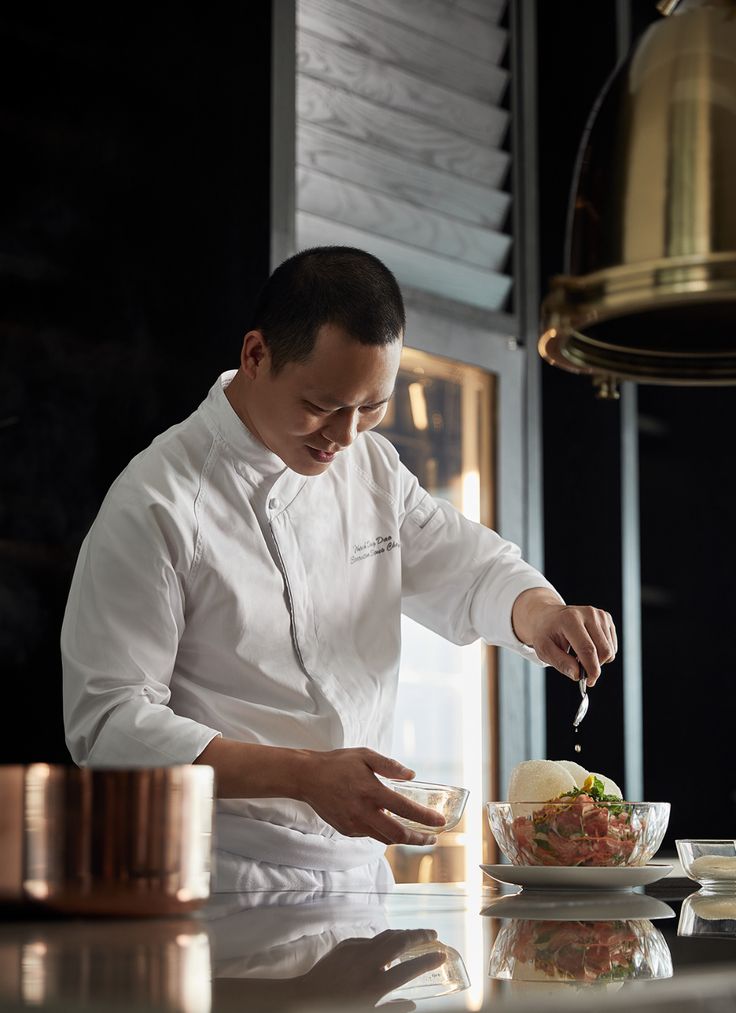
pixel 273 503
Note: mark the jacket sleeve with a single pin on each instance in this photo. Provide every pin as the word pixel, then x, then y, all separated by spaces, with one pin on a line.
pixel 123 622
pixel 459 578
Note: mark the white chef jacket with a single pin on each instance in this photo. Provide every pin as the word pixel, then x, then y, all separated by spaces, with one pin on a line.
pixel 283 934
pixel 220 593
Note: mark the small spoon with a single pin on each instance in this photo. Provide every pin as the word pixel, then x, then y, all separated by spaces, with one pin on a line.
pixel 583 708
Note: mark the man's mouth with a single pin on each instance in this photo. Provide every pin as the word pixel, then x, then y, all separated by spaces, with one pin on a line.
pixel 321 455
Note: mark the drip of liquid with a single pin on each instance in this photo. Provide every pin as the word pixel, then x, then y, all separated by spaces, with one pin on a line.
pixel 578 747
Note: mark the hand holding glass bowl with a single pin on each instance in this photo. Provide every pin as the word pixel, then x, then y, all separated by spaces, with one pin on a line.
pixel 445 799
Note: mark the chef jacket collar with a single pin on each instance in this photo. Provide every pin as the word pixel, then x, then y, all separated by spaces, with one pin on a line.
pixel 253 460
pixel 244 445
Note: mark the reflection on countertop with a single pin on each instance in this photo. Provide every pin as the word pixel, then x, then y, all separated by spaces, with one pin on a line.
pixel 429 947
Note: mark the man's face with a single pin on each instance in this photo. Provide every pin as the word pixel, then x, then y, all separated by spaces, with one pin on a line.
pixel 310 411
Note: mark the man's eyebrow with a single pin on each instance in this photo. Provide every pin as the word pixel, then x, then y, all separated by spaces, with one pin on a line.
pixel 331 402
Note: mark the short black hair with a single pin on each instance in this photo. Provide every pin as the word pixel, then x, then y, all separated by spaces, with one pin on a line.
pixel 327 285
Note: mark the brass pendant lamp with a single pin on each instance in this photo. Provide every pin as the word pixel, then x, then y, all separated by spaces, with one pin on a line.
pixel 650 294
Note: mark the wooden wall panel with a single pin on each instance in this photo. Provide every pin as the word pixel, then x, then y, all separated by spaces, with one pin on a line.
pixel 401 133
pixel 395 219
pixel 371 35
pixel 401 143
pixel 490 10
pixel 331 63
pixel 352 160
pixel 454 27
pixel 419 268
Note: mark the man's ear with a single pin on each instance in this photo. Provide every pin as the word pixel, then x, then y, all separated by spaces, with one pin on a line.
pixel 254 355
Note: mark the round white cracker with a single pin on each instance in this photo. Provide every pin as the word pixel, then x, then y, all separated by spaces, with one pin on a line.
pixel 609 785
pixel 538 781
pixel 577 771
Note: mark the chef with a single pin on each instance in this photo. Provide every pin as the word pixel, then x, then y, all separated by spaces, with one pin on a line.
pixel 238 599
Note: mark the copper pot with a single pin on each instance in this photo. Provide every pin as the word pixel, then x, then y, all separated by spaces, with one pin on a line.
pixel 131 964
pixel 128 842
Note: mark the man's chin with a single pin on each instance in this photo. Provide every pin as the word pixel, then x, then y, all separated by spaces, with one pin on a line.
pixel 309 468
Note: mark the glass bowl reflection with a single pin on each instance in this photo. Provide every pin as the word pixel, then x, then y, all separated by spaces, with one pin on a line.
pixel 449 977
pixel 708 915
pixel 579 952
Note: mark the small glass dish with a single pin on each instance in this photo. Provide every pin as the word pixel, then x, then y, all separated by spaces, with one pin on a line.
pixel 447 800
pixel 448 977
pixel 711 915
pixel 711 863
pixel 578 832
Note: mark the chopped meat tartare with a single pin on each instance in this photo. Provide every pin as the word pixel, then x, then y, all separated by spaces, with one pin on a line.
pixel 579 951
pixel 584 827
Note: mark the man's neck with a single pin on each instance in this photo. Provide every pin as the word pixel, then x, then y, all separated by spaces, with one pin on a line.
pixel 235 392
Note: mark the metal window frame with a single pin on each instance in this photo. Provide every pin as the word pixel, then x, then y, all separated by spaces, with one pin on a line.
pixel 631 618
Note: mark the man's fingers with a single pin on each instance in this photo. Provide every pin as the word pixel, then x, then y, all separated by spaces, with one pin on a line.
pixel 399 975
pixel 610 628
pixel 388 945
pixel 602 632
pixel 396 833
pixel 583 645
pixel 400 806
pixel 563 661
pixel 387 766
pixel 613 634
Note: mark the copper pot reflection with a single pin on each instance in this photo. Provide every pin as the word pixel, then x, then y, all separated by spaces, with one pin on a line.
pixel 127 842
pixel 152 964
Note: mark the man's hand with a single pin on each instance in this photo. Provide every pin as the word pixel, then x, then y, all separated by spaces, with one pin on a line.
pixel 358 972
pixel 360 969
pixel 341 786
pixel 553 629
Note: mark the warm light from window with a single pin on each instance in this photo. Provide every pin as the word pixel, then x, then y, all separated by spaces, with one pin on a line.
pixel 418 406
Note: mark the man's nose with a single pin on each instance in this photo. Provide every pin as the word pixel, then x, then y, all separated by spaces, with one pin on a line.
pixel 342 428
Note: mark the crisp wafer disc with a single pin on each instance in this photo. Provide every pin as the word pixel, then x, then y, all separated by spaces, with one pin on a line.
pixel 578 772
pixel 539 781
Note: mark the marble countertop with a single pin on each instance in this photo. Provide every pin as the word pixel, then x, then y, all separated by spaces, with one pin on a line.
pixel 429 947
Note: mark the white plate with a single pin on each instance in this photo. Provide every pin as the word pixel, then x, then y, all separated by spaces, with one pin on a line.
pixel 578 906
pixel 588 877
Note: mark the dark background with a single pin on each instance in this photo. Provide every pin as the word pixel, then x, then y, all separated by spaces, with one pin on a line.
pixel 687 490
pixel 134 235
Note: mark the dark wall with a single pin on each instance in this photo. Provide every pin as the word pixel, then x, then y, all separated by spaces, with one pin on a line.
pixel 582 489
pixel 688 559
pixel 134 234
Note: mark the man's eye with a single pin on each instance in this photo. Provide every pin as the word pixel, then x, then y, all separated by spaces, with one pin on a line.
pixel 315 409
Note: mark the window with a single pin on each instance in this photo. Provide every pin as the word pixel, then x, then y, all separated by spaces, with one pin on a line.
pixel 440 421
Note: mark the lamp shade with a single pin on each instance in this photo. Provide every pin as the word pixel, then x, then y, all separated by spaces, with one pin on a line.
pixel 650 289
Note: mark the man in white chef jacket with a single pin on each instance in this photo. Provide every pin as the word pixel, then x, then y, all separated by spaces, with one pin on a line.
pixel 237 601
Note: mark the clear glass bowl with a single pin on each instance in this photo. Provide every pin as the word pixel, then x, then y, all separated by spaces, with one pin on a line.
pixel 576 833
pixel 449 977
pixel 579 953
pixel 444 798
pixel 712 864
pixel 708 914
